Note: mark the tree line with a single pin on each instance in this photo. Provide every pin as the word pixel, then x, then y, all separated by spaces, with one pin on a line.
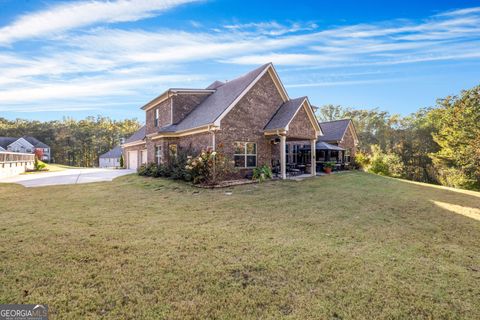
pixel 73 142
pixel 439 144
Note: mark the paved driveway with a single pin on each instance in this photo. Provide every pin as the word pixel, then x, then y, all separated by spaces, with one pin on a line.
pixel 68 176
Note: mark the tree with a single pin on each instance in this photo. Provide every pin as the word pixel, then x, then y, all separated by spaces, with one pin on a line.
pixel 121 161
pixel 457 120
pixel 73 142
pixel 38 154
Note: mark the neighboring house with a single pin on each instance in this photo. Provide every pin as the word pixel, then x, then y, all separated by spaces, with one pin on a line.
pixel 111 159
pixel 250 118
pixel 25 145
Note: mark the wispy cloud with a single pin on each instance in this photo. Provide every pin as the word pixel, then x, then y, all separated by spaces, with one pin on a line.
pixel 68 16
pixel 103 62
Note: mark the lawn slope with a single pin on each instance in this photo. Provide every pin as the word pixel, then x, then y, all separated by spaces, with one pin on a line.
pixel 347 246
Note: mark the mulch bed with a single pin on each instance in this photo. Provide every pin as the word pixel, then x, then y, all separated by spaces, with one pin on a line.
pixel 226 184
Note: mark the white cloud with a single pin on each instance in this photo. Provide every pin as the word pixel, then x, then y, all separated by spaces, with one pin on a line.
pixel 68 16
pixel 115 64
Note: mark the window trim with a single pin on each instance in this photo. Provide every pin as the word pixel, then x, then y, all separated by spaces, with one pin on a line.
pixel 157 117
pixel 158 154
pixel 245 154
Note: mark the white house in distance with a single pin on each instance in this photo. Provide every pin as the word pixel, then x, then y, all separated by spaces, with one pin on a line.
pixel 25 145
pixel 111 159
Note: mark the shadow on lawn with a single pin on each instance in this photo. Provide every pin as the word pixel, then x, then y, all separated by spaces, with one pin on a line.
pixel 458 201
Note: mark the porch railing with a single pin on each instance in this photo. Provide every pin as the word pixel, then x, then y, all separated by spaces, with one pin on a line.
pixel 7 157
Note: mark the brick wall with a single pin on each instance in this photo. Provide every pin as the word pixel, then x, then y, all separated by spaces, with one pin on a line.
pixel 246 121
pixel 349 142
pixel 301 126
pixel 195 143
pixel 184 103
pixel 165 116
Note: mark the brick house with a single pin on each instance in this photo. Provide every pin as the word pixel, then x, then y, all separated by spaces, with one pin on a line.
pixel 339 133
pixel 251 118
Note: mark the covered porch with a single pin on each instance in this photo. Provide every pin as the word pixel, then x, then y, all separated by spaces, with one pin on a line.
pixel 285 166
pixel 325 152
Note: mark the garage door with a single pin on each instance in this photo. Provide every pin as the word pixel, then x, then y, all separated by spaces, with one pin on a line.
pixel 132 159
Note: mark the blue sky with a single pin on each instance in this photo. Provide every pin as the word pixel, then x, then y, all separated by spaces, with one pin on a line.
pixel 80 58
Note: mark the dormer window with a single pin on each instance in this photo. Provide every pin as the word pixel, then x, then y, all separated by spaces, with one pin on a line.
pixel 157 116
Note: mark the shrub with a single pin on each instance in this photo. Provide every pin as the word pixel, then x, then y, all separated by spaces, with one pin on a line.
pixel 379 162
pixel 40 165
pixel 210 167
pixel 362 160
pixel 176 165
pixel 329 164
pixel 262 173
pixel 152 170
pixel 121 161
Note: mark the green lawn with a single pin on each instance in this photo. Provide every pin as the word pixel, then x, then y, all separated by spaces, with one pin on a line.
pixel 53 168
pixel 347 246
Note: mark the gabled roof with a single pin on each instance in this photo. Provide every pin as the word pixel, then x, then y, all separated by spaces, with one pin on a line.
pixel 215 85
pixel 113 153
pixel 23 142
pixel 5 141
pixel 214 105
pixel 1 149
pixel 287 111
pixel 285 114
pixel 334 130
pixel 35 142
pixel 137 136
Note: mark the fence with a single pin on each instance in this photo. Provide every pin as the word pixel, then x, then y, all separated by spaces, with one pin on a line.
pixel 13 163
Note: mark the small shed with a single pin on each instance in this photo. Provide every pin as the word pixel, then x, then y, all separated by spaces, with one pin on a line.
pixel 111 159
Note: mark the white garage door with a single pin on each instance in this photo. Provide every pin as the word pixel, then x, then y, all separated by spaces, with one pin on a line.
pixel 132 159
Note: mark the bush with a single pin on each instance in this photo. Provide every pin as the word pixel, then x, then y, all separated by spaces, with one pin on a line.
pixel 176 165
pixel 152 170
pixel 379 162
pixel 262 173
pixel 40 165
pixel 210 167
pixel 121 161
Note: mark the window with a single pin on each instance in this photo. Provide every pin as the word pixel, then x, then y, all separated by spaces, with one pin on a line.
pixel 157 116
pixel 158 154
pixel 347 155
pixel 173 150
pixel 245 154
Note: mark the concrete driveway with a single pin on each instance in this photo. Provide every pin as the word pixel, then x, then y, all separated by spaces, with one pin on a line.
pixel 68 176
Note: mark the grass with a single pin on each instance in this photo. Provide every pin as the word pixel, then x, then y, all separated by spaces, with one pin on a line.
pixel 348 246
pixel 53 168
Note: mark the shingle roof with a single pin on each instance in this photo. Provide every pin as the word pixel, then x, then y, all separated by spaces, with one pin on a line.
pixel 5 141
pixel 137 136
pixel 333 130
pixel 213 106
pixel 35 142
pixel 215 85
pixel 114 153
pixel 323 146
pixel 284 114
